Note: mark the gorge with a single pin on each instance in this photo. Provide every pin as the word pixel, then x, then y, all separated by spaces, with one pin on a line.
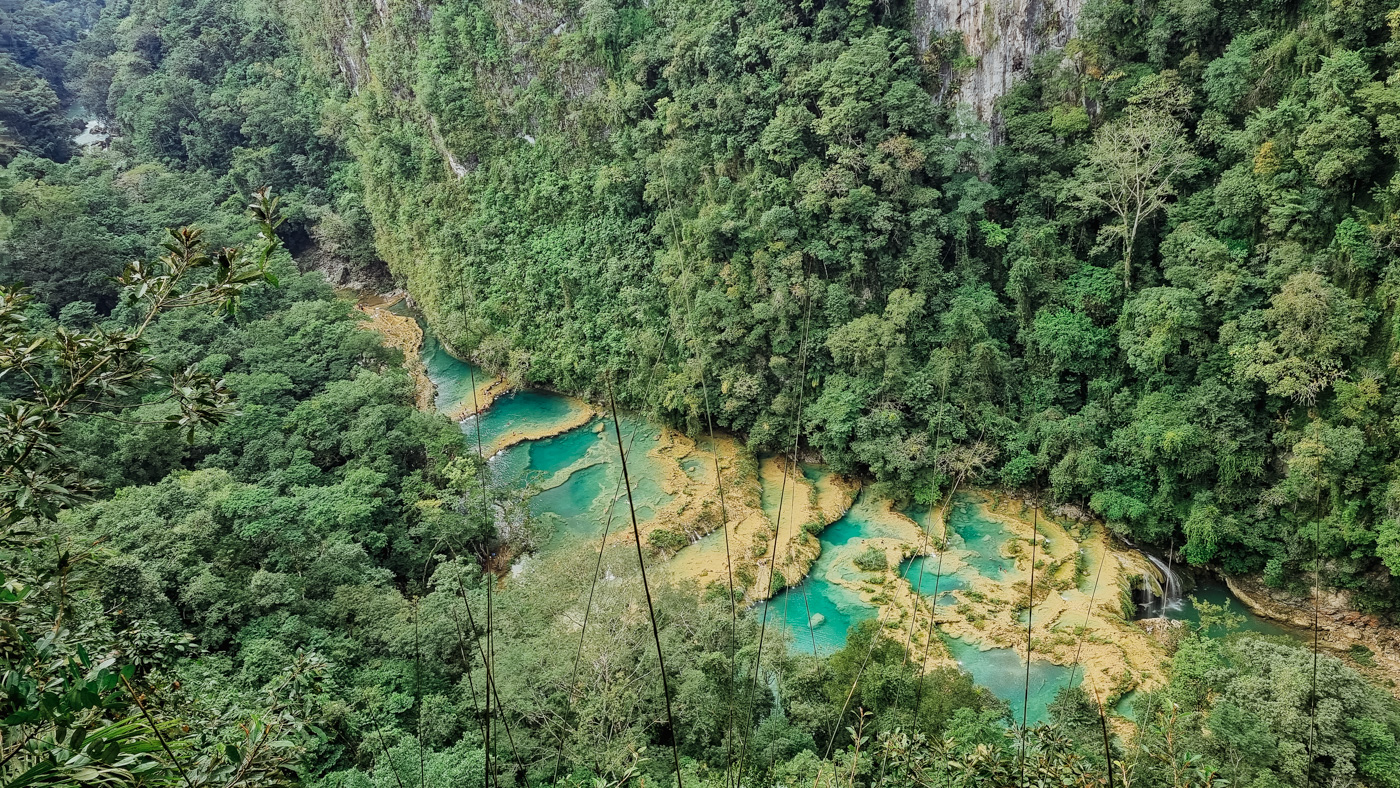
pixel 564 447
pixel 1008 393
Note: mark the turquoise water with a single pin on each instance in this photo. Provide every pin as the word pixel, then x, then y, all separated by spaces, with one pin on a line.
pixel 972 538
pixel 511 466
pixel 975 539
pixel 978 541
pixel 783 493
pixel 866 518
pixel 578 475
pixel 1124 706
pixel 578 507
pixel 980 536
pixel 1213 591
pixel 694 467
pixel 1004 672
pixel 453 380
pixel 450 375
pixel 771 495
pixel 518 410
pixel 834 611
pixel 555 454
pixel 922 573
pixel 577 469
pixel 835 608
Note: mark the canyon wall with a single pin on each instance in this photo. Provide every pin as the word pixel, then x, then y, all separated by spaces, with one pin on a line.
pixel 1004 36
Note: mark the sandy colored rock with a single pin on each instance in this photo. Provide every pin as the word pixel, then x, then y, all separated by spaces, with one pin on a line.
pixel 580 413
pixel 749 528
pixel 488 389
pixel 401 332
pixel 1114 655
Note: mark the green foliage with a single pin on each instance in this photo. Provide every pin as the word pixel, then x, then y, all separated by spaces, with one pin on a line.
pixel 1176 259
pixel 68 230
pixel 1167 293
pixel 872 560
pixel 1246 705
pixel 72 374
pixel 218 91
pixel 31 115
pixel 1216 619
pixel 86 702
pixel 37 38
pixel 890 691
pixel 42 34
pixel 666 541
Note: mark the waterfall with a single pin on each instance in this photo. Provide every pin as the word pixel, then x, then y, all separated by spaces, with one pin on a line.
pixel 1171 585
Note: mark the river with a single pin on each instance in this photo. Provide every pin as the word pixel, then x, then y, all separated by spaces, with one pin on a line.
pixel 569 451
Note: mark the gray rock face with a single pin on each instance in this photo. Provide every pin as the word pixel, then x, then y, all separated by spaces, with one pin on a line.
pixel 1003 35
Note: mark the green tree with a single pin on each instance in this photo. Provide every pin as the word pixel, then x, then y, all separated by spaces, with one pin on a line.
pixel 75 374
pixel 1308 333
pixel 1136 165
pixel 31 115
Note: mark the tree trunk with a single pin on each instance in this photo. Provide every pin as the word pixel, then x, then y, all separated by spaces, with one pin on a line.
pixel 1128 238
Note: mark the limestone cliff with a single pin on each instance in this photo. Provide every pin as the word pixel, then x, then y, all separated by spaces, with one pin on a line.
pixel 1003 36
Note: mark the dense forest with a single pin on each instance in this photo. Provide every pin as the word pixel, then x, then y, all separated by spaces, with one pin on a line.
pixel 1156 285
pixel 1163 294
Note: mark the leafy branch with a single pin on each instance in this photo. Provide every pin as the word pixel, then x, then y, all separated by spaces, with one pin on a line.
pixel 70 374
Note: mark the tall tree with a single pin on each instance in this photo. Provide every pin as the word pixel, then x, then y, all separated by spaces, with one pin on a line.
pixel 1135 166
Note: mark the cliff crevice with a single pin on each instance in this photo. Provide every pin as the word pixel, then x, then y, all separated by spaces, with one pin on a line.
pixel 1002 36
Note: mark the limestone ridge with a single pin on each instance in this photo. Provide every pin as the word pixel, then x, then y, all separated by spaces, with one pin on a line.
pixel 1004 36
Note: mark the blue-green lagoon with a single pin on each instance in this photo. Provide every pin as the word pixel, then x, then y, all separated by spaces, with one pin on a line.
pixel 568 452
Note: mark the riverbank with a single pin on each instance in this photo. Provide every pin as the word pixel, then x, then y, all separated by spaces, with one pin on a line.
pixel 402 330
pixel 403 333
pixel 487 391
pixel 1364 641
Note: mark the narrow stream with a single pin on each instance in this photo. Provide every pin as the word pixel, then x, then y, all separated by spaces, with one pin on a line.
pixel 93 132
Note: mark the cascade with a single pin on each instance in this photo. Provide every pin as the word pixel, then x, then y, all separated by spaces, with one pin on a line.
pixel 1169 597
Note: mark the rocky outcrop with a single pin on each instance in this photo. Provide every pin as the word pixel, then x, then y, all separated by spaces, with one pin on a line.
pixel 342 273
pixel 1003 36
pixel 1166 631
pixel 403 333
pixel 1339 628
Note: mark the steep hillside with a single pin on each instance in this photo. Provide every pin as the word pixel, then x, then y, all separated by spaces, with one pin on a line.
pixel 999 42
pixel 1201 353
pixel 1133 259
